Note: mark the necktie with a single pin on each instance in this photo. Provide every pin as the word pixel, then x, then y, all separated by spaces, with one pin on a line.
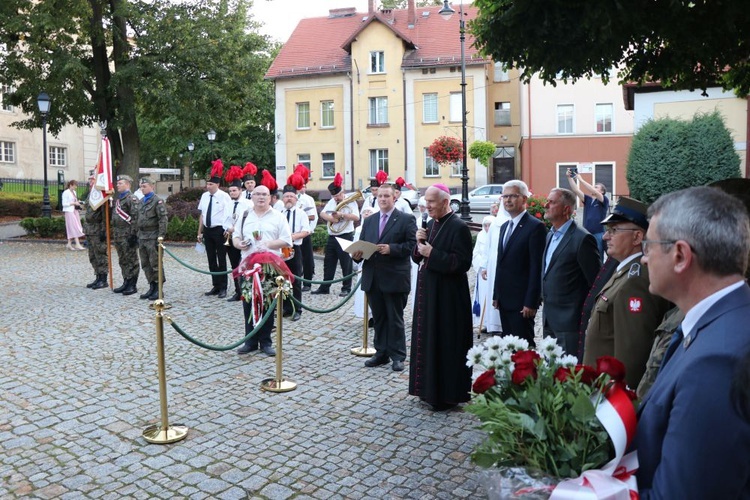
pixel 507 234
pixel 677 337
pixel 234 210
pixel 208 212
pixel 383 220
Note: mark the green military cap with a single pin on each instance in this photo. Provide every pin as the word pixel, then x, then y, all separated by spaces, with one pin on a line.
pixel 125 178
pixel 147 180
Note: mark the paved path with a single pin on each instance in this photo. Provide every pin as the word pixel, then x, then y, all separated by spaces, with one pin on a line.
pixel 79 384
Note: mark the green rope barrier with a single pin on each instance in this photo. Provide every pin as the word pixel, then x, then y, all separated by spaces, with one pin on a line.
pixel 346 299
pixel 212 273
pixel 229 347
pixel 323 282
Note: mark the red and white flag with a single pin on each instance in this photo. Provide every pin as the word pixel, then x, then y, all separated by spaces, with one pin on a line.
pixel 103 186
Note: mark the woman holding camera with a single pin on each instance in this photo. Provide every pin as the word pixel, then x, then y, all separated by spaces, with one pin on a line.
pixel 70 206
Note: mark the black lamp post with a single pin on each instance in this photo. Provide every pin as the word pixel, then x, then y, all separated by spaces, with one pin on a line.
pixel 446 12
pixel 43 102
pixel 211 135
pixel 191 147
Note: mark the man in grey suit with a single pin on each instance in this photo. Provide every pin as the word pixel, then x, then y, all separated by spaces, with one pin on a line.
pixel 386 276
pixel 570 263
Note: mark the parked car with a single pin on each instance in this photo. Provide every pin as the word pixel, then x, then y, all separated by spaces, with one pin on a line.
pixel 410 195
pixel 480 199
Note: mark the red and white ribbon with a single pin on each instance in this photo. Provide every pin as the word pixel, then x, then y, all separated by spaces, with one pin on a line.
pixel 256 302
pixel 616 480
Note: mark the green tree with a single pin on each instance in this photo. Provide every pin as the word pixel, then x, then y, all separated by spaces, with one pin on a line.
pixel 685 45
pixel 177 68
pixel 669 154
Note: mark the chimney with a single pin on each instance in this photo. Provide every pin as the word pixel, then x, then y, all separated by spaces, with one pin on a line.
pixel 411 18
pixel 370 7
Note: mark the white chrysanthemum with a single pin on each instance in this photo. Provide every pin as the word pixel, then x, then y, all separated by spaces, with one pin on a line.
pixel 505 359
pixel 490 359
pixel 514 343
pixel 474 356
pixel 547 345
pixel 568 361
pixel 494 343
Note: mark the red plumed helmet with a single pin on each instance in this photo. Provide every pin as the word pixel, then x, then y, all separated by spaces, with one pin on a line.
pixel 217 168
pixel 303 172
pixel 338 180
pixel 250 169
pixel 296 181
pixel 400 182
pixel 234 174
pixel 267 180
pixel 381 177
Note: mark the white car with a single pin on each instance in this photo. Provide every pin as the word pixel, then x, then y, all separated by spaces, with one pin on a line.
pixel 480 199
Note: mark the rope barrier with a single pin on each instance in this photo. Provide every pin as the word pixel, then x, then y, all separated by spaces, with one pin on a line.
pixel 346 299
pixel 229 347
pixel 323 282
pixel 212 273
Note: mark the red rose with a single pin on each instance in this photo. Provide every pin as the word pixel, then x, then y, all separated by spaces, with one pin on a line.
pixel 522 371
pixel 525 357
pixel 611 366
pixel 563 373
pixel 538 215
pixel 588 374
pixel 484 382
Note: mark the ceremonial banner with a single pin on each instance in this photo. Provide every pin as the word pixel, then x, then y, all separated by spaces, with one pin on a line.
pixel 103 186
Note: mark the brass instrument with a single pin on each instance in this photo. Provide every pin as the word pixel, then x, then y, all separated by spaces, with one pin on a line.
pixel 228 234
pixel 338 227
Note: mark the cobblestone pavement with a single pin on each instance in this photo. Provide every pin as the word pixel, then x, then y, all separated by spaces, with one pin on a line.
pixel 79 384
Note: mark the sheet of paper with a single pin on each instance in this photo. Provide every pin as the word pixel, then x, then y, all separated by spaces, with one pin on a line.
pixel 351 247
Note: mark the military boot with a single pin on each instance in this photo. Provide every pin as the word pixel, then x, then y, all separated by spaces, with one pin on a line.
pixel 151 289
pixel 131 289
pixel 101 282
pixel 122 287
pixel 91 285
pixel 155 294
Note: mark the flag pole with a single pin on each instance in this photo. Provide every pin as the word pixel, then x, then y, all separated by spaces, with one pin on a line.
pixel 109 248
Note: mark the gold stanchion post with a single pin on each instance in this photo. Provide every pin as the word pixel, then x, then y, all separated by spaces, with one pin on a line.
pixel 163 433
pixel 364 350
pixel 277 384
pixel 160 246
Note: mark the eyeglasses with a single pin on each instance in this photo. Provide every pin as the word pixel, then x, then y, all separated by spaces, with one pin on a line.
pixel 509 196
pixel 645 244
pixel 615 230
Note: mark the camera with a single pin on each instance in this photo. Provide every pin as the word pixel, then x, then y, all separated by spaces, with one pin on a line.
pixel 573 172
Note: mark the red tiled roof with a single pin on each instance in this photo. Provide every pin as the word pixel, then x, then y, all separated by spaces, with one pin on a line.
pixel 320 45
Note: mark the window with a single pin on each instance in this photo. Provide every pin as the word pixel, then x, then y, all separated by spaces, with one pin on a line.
pixel 455 111
pixel 565 119
pixel 562 178
pixel 304 158
pixel 378 161
pixel 502 113
pixel 7 152
pixel 456 169
pixel 329 165
pixel 58 157
pixel 378 111
pixel 431 167
pixel 429 108
pixel 303 115
pixel 5 90
pixel 326 114
pixel 604 113
pixel 377 62
pixel 500 73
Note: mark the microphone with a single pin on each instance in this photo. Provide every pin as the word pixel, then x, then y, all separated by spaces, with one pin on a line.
pixel 424 225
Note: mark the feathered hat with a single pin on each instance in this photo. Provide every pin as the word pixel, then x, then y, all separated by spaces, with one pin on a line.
pixel 335 187
pixel 234 176
pixel 248 173
pixel 380 178
pixel 303 172
pixel 400 182
pixel 294 183
pixel 266 179
pixel 217 170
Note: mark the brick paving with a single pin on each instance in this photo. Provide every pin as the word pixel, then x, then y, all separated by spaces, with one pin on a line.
pixel 79 384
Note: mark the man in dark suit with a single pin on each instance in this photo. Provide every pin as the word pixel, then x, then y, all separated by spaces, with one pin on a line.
pixel 571 262
pixel 386 277
pixel 692 442
pixel 518 278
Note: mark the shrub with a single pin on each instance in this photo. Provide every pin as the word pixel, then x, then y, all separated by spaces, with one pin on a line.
pixel 44 227
pixel 535 207
pixel 320 237
pixel 21 204
pixel 668 155
pixel 189 229
pixel 173 228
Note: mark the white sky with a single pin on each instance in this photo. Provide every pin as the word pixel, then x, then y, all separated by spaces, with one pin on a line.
pixel 280 17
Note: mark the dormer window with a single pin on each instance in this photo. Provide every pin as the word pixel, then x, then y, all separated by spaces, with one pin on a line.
pixel 377 62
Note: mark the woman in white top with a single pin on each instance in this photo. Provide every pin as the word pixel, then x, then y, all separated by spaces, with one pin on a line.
pixel 70 208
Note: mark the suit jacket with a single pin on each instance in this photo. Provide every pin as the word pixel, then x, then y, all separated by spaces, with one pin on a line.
pixel 568 278
pixel 518 278
pixel 691 441
pixel 393 271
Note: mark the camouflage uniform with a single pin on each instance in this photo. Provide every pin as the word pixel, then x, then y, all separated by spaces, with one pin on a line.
pixel 664 332
pixel 152 224
pixel 624 320
pixel 125 234
pixel 96 238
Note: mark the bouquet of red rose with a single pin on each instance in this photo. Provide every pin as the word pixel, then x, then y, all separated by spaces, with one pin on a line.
pixel 540 408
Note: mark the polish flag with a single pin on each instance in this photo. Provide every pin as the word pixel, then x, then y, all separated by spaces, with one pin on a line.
pixel 103 186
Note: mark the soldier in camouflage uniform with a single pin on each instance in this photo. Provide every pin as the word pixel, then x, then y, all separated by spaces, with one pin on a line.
pixel 96 239
pixel 152 224
pixel 125 234
pixel 664 332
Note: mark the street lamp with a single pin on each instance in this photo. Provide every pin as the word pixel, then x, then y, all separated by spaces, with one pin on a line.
pixel 191 147
pixel 43 102
pixel 446 12
pixel 211 135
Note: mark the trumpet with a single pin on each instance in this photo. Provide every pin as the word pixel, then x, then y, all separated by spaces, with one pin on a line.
pixel 338 227
pixel 228 233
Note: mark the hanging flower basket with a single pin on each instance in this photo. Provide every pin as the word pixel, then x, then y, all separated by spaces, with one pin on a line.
pixel 482 151
pixel 445 150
